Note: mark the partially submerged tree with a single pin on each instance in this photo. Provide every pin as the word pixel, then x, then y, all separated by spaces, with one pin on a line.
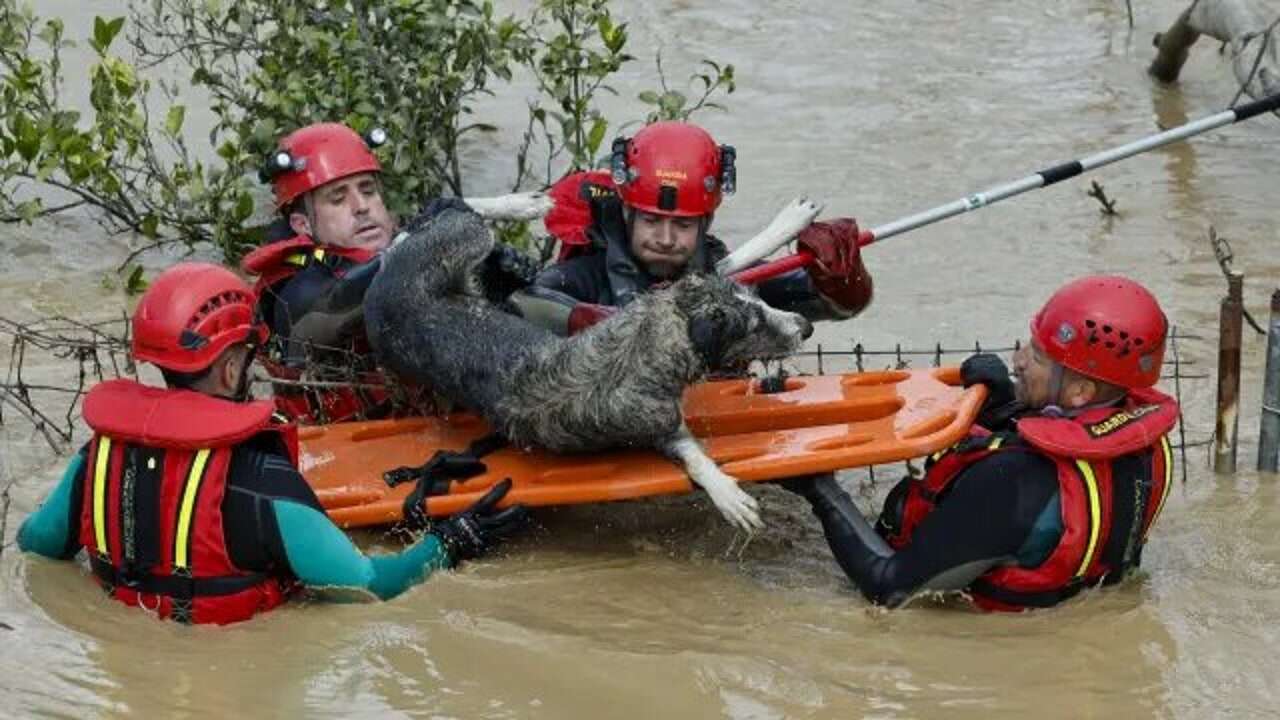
pixel 412 67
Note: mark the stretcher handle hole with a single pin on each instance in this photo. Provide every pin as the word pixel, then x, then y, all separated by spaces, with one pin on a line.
pixel 875 377
pixel 756 387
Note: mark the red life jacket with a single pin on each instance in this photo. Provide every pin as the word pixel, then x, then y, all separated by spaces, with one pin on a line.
pixel 1105 516
pixel 151 515
pixel 274 264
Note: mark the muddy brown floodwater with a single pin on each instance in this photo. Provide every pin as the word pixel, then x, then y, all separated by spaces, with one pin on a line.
pixel 654 609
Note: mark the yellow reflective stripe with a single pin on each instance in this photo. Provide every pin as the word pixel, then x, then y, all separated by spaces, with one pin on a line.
pixel 101 463
pixel 298 259
pixel 180 536
pixel 1095 514
pixel 995 443
pixel 1167 450
pixel 319 253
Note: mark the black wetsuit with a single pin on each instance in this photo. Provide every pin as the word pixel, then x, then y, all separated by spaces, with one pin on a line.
pixel 1002 510
pixel 260 472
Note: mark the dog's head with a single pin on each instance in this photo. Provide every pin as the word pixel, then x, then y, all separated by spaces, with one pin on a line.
pixel 729 327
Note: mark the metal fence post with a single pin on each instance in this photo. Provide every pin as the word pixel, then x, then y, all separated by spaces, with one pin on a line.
pixel 1269 431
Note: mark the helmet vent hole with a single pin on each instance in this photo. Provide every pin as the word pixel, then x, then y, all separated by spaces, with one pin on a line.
pixel 1109 344
pixel 1106 329
pixel 1090 324
pixel 1124 335
pixel 1137 341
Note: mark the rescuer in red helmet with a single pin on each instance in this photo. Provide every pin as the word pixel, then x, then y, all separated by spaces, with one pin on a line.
pixel 1056 488
pixel 188 501
pixel 326 182
pixel 649 222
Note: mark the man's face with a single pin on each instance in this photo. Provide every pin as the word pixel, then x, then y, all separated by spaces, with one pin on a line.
pixel 1034 372
pixel 348 212
pixel 663 244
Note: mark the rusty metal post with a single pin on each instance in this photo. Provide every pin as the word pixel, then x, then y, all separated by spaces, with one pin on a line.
pixel 1230 326
pixel 1269 432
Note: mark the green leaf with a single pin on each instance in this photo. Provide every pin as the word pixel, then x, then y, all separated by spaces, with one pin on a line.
pixel 596 135
pixel 51 33
pixel 671 103
pixel 648 97
pixel 244 208
pixel 29 210
pixel 104 31
pixel 136 284
pixel 150 226
pixel 173 119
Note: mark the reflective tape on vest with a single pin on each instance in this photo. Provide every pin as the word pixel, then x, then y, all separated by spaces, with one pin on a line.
pixel 1095 514
pixel 102 461
pixel 1167 452
pixel 182 533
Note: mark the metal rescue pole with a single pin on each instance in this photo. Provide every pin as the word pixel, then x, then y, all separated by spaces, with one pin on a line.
pixel 1269 432
pixel 740 259
pixel 1230 325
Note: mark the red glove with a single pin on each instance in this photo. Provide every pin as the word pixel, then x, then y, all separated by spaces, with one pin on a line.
pixel 837 270
pixel 584 315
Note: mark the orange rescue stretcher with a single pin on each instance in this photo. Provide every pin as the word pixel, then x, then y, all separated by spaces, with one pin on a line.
pixel 814 424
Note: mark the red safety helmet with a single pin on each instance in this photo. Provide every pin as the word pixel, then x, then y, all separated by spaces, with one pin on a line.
pixel 191 314
pixel 673 168
pixel 1106 327
pixel 318 154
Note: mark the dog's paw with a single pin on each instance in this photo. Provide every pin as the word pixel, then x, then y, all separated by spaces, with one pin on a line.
pixel 516 206
pixel 796 216
pixel 739 508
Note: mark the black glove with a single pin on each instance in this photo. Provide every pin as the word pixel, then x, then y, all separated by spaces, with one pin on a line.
pixel 468 534
pixel 507 270
pixel 1001 403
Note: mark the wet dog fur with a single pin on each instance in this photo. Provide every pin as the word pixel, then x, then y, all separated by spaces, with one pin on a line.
pixel 618 384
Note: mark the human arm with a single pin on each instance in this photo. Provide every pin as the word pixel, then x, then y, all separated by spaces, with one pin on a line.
pixel 53 530
pixel 300 539
pixel 567 297
pixel 1002 403
pixel 320 555
pixel 319 307
pixel 990 517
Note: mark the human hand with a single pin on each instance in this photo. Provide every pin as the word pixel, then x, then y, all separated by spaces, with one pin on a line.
pixel 989 370
pixel 470 533
pixel 834 246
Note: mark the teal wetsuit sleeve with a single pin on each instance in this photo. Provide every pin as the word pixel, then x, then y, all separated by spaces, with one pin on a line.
pixel 50 530
pixel 322 556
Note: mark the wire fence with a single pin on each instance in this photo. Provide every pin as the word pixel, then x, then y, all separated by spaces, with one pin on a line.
pixel 93 351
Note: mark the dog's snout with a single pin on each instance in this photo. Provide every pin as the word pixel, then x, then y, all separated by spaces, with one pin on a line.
pixel 806 328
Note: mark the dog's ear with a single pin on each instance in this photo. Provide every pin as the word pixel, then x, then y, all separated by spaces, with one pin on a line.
pixel 712 333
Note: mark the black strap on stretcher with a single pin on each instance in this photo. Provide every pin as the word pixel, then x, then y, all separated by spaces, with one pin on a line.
pixel 435 475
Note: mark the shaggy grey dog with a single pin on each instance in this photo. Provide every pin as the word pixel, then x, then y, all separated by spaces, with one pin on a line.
pixel 618 384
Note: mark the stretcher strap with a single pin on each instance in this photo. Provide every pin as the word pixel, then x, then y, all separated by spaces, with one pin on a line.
pixel 435 476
